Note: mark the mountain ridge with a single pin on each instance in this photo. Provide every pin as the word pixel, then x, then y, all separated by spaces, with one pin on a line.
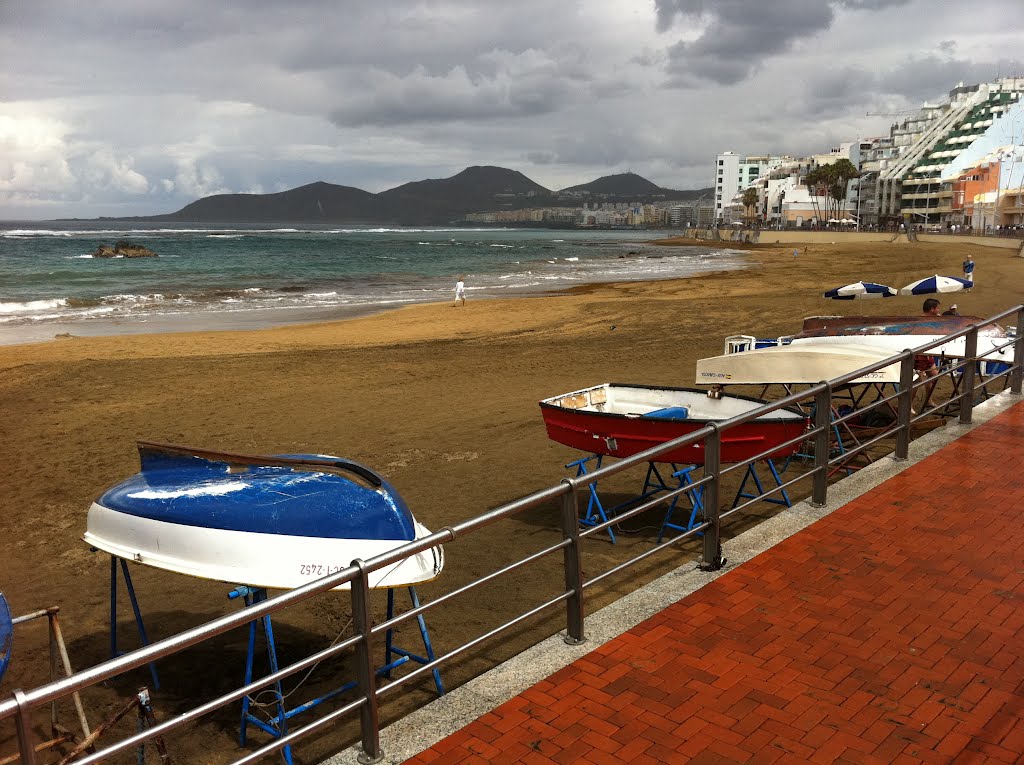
pixel 479 188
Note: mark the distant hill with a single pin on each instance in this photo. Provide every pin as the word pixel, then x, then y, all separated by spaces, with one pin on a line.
pixel 428 202
pixel 629 185
pixel 475 189
pixel 314 202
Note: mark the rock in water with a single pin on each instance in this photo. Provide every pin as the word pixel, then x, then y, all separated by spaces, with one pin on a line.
pixel 123 249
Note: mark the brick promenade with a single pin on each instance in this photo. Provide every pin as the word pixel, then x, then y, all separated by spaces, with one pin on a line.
pixel 891 631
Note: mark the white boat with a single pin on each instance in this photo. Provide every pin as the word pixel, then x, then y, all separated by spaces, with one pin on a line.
pixel 785 364
pixel 894 334
pixel 265 521
pixel 990 348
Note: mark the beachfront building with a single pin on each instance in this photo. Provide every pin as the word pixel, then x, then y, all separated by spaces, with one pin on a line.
pixel 909 187
pixel 989 194
pixel 733 174
pixel 875 154
pixel 698 213
pixel 787 200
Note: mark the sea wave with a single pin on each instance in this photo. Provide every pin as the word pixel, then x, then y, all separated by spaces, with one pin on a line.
pixel 32 306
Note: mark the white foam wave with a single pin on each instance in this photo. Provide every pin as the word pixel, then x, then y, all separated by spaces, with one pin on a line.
pixel 30 306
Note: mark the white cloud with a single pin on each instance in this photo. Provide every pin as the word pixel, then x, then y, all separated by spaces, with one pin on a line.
pixel 33 154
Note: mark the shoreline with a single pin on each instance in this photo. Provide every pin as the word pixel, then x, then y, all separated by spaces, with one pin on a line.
pixel 258 319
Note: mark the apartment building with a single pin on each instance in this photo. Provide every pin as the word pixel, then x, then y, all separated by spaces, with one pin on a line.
pixel 733 173
pixel 910 187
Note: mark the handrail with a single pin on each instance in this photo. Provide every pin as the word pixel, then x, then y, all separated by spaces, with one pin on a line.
pixel 568 491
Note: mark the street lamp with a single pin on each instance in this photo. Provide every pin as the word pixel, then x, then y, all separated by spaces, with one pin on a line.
pixel 858 204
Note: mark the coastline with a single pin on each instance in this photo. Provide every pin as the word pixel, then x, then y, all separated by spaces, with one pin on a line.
pixel 441 400
pixel 202 289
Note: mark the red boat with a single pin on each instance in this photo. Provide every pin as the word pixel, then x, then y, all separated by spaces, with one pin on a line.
pixel 621 420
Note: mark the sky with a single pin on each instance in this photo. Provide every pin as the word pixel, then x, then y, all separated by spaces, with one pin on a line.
pixel 138 107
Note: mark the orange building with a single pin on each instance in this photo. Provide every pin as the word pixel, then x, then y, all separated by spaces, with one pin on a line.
pixel 974 194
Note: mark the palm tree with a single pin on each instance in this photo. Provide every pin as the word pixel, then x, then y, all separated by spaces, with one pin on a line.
pixel 831 180
pixel 750 199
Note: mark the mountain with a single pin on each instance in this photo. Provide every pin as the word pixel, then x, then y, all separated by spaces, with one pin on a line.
pixel 428 202
pixel 627 185
pixel 475 189
pixel 314 202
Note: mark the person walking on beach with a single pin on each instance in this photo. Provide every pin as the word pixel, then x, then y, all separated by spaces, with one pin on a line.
pixel 969 271
pixel 460 292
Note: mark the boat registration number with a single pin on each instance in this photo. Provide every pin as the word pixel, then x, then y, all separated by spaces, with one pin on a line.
pixel 318 569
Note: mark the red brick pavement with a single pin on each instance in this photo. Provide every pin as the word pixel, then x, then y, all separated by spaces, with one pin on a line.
pixel 891 631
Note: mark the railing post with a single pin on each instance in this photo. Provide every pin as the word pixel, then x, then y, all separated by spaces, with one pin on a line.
pixel 1017 375
pixel 366 674
pixel 26 742
pixel 822 440
pixel 905 405
pixel 967 380
pixel 573 564
pixel 711 557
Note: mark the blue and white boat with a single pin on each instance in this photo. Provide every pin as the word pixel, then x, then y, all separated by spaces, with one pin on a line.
pixel 265 521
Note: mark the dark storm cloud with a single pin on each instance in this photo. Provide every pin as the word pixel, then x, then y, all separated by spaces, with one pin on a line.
pixel 736 35
pixel 871 5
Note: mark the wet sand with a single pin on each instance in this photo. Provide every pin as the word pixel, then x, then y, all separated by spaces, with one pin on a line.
pixel 441 400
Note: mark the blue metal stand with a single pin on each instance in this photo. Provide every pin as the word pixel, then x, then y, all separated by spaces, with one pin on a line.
pixel 751 474
pixel 139 625
pixel 391 650
pixel 696 498
pixel 277 725
pixel 595 510
pixel 654 483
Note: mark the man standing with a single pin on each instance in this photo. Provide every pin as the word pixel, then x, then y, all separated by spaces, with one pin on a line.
pixel 969 271
pixel 460 292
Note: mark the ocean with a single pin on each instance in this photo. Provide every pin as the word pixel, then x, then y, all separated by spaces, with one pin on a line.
pixel 238 277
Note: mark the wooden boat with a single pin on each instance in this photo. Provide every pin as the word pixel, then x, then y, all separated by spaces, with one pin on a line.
pixel 897 333
pixel 621 420
pixel 793 363
pixel 265 521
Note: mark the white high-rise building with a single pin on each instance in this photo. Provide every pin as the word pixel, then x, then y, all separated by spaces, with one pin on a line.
pixel 734 173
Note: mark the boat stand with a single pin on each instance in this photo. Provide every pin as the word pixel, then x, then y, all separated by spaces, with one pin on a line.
pixel 654 483
pixel 139 624
pixel 595 513
pixel 751 475
pixel 60 662
pixel 277 725
pixel 696 498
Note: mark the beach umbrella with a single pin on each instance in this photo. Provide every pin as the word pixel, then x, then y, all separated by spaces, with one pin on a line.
pixel 933 284
pixel 859 290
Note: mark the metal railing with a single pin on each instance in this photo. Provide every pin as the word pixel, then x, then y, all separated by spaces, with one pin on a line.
pixel 825 462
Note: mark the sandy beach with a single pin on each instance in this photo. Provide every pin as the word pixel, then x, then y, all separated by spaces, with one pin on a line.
pixel 441 400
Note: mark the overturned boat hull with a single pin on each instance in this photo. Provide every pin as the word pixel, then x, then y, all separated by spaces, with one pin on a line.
pixel 265 521
pixel 898 333
pixel 794 363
